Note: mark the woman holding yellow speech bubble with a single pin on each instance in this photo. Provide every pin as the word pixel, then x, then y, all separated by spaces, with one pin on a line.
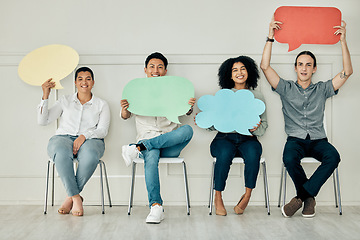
pixel 235 74
pixel 84 122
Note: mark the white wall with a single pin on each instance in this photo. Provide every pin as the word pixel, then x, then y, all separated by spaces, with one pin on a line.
pixel 113 38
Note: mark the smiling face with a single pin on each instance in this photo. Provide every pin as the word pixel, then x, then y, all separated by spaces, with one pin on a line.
pixel 305 68
pixel 84 82
pixel 155 68
pixel 239 75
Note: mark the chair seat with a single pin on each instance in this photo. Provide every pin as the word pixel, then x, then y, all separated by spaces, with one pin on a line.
pixel 163 160
pixel 309 160
pixel 241 160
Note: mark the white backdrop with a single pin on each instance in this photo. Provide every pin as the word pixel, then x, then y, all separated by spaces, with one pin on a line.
pixel 114 38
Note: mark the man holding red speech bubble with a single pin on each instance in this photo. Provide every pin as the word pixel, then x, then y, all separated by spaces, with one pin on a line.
pixel 156 137
pixel 303 108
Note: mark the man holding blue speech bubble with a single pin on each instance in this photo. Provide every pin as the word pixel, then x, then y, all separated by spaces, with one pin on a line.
pixel 157 137
pixel 303 108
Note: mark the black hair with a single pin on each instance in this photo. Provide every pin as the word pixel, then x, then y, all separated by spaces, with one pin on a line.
pixel 84 69
pixel 306 53
pixel 156 55
pixel 225 72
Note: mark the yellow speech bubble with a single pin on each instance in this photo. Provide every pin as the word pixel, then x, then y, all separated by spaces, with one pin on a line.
pixel 52 61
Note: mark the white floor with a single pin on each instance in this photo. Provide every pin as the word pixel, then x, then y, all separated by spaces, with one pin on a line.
pixel 29 222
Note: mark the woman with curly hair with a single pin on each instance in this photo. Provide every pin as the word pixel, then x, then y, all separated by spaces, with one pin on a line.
pixel 235 74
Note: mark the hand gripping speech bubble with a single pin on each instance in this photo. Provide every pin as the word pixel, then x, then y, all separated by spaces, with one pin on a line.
pixel 51 61
pixel 166 96
pixel 307 25
pixel 230 111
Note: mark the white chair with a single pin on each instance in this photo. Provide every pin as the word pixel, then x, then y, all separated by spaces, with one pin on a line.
pixel 311 160
pixel 101 164
pixel 241 161
pixel 178 160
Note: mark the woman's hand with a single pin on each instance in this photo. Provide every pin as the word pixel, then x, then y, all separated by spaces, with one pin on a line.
pixel 274 25
pixel 255 127
pixel 77 143
pixel 46 87
pixel 125 114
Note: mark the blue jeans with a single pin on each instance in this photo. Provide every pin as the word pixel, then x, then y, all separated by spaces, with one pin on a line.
pixel 166 145
pixel 296 149
pixel 60 149
pixel 225 147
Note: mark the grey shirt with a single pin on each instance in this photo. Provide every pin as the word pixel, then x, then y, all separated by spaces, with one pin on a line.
pixel 303 109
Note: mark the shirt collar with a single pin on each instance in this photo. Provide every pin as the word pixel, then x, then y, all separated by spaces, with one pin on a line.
pixel 309 87
pixel 75 99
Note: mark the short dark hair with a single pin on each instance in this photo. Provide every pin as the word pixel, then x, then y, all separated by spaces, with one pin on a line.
pixel 306 53
pixel 84 69
pixel 225 72
pixel 156 55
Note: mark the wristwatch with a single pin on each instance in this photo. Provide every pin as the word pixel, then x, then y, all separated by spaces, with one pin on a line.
pixel 269 39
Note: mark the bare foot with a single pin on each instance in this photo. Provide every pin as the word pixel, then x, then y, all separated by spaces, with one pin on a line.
pixel 219 204
pixel 77 209
pixel 66 206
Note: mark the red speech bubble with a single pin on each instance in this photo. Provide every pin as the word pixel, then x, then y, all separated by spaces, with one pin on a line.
pixel 307 25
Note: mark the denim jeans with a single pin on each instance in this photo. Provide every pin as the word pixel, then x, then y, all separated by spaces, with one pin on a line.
pixel 225 147
pixel 166 145
pixel 60 149
pixel 296 149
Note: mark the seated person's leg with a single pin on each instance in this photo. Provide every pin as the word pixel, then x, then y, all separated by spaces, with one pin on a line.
pixel 60 149
pixel 88 156
pixel 151 162
pixel 329 157
pixel 251 152
pixel 293 152
pixel 180 136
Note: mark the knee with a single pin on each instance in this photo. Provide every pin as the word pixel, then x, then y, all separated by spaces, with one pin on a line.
pixel 332 158
pixel 188 131
pixel 290 161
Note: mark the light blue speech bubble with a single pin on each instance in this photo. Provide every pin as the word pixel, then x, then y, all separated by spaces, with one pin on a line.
pixel 230 111
pixel 159 96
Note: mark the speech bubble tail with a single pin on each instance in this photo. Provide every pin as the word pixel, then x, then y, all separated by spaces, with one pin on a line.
pixel 174 119
pixel 293 46
pixel 58 85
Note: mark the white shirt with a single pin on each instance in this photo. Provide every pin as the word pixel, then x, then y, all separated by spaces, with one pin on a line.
pixel 91 119
pixel 150 127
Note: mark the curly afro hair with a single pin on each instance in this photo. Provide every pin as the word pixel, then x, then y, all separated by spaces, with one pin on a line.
pixel 225 72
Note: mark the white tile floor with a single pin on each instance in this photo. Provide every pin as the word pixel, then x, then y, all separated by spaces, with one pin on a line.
pixel 29 222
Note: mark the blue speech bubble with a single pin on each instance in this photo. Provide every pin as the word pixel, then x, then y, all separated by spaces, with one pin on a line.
pixel 230 111
pixel 166 96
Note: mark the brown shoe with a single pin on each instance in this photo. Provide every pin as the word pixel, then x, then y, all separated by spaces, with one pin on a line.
pixel 309 208
pixel 220 210
pixel 290 209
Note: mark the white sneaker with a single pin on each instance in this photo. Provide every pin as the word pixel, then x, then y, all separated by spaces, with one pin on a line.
pixel 156 214
pixel 129 153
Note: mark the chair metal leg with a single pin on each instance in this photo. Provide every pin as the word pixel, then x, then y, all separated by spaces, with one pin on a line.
pixel 186 190
pixel 132 187
pixel 284 190
pixel 107 183
pixel 338 190
pixel 335 190
pixel 281 183
pixel 212 189
pixel 267 204
pixel 102 190
pixel 53 184
pixel 46 187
